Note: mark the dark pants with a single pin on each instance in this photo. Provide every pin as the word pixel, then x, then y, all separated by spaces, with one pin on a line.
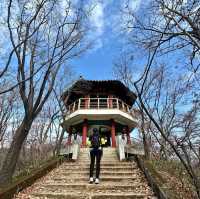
pixel 95 154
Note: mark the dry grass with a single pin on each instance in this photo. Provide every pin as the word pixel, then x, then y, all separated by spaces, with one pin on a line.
pixel 172 178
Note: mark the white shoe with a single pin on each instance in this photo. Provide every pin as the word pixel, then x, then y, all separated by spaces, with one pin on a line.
pixel 96 181
pixel 91 180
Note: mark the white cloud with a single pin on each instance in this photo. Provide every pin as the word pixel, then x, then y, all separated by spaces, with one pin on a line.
pixel 134 5
pixel 97 18
pixel 97 24
pixel 101 20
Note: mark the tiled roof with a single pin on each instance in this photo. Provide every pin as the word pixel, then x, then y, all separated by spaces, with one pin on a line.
pixel 109 87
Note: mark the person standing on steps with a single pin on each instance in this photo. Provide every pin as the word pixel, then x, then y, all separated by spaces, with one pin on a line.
pixel 96 152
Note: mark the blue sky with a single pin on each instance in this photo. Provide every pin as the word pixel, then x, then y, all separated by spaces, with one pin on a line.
pixel 110 41
pixel 107 22
pixel 97 64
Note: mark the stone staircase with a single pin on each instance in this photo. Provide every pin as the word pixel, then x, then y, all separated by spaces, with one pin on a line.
pixel 118 180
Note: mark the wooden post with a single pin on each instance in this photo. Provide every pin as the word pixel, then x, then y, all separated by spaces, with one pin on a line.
pixel 113 132
pixel 84 132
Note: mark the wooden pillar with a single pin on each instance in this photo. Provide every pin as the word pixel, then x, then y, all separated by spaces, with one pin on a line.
pixel 128 136
pixel 84 132
pixel 69 136
pixel 113 132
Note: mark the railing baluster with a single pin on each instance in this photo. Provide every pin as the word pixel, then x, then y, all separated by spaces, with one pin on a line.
pixel 88 103
pixel 123 106
pixel 117 103
pixel 79 103
pixel 74 106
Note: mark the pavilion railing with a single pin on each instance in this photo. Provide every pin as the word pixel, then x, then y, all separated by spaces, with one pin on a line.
pixel 100 103
pixel 136 147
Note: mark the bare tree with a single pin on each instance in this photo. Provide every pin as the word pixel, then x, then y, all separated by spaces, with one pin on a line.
pixel 174 24
pixel 42 38
pixel 160 97
pixel 7 103
pixel 161 28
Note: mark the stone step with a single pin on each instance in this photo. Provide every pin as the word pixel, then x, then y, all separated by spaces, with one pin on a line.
pixel 108 185
pixel 118 180
pixel 109 158
pixel 108 154
pixel 122 179
pixel 56 195
pixel 122 196
pixel 139 187
pixel 106 160
pixel 104 154
pixel 46 195
pixel 103 169
pixel 108 149
pixel 102 163
pixel 86 174
pixel 104 172
pixel 78 167
pixel 101 186
pixel 104 157
pixel 83 161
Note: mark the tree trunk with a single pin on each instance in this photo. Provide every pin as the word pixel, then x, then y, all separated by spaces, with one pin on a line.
pixel 146 145
pixel 12 156
pixel 199 156
pixel 163 151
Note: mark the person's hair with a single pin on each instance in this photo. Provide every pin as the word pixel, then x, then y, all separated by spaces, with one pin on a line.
pixel 95 130
pixel 73 130
pixel 124 129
